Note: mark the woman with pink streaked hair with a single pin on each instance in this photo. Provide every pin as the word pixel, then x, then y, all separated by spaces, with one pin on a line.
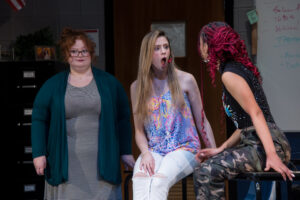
pixel 257 144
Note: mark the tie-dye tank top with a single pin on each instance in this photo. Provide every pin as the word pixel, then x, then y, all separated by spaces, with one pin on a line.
pixel 169 128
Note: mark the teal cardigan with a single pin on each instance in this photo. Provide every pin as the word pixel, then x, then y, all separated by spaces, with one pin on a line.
pixel 48 131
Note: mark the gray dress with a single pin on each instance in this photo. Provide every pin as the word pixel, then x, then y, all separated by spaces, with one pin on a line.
pixel 83 107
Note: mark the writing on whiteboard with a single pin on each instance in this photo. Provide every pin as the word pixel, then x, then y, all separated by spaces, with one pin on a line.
pixel 285 18
pixel 290 60
pixel 286 40
pixel 283 9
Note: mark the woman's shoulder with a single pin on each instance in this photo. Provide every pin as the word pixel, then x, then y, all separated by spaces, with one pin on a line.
pixel 184 76
pixel 52 85
pixel 133 86
pixel 186 80
pixel 236 68
pixel 232 66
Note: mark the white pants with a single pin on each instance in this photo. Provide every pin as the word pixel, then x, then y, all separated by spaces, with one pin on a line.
pixel 169 169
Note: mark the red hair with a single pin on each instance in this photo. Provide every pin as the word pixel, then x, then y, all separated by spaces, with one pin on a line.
pixel 68 39
pixel 224 44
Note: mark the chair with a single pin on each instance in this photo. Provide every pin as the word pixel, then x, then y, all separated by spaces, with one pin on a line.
pixel 294 140
pixel 251 176
pixel 257 177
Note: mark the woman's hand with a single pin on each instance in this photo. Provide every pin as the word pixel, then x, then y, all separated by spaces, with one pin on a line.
pixel 128 161
pixel 39 164
pixel 274 162
pixel 204 154
pixel 147 163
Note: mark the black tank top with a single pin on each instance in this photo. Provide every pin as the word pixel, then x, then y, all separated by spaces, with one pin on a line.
pixel 232 108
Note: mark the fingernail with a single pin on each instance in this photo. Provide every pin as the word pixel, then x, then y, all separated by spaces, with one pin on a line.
pixel 293 175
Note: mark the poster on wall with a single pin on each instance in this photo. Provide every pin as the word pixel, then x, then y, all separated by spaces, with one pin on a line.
pixel 93 34
pixel 176 33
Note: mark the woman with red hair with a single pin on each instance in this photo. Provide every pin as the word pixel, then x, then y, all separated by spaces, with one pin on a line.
pixel 257 144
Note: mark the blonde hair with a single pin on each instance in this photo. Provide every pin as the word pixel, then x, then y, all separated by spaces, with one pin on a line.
pixel 144 87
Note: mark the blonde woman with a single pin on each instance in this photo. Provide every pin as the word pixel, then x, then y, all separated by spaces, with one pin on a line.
pixel 167 111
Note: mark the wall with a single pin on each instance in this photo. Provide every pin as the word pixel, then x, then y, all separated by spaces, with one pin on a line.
pixel 278 57
pixel 55 14
pixel 241 23
pixel 278 44
pixel 132 20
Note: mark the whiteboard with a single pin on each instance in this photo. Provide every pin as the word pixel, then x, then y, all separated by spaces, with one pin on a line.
pixel 278 59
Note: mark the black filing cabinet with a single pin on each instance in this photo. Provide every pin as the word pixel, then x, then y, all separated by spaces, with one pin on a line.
pixel 21 83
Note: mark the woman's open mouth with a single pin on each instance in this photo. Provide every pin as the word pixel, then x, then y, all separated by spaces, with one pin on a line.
pixel 163 61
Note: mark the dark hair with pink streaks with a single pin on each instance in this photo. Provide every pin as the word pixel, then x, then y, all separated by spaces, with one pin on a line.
pixel 224 44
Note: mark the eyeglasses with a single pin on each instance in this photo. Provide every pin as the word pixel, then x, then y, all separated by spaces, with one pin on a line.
pixel 75 53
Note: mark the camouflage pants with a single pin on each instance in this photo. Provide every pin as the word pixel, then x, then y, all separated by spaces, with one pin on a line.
pixel 249 155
